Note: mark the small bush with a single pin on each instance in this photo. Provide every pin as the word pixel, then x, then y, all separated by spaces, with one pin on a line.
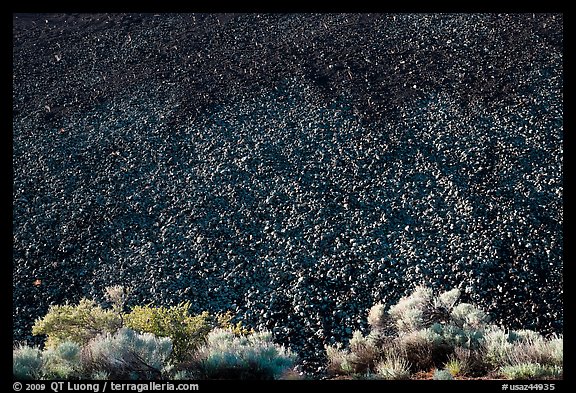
pixel 424 349
pixel 455 366
pixel 555 350
pixel 78 323
pixel 448 299
pixel 181 375
pixel 100 375
pixel 442 375
pixel 497 346
pixel 409 311
pixel 359 359
pixel 534 348
pixel 363 353
pixel 531 371
pixel 469 317
pixel 255 356
pixel 394 366
pixel 466 361
pixel 63 361
pixel 127 355
pixel 338 360
pixel 521 348
pixel 437 332
pixel 454 336
pixel 187 332
pixel 26 362
pixel 224 321
pixel 422 310
pixel 117 295
pixel 377 317
pixel 382 325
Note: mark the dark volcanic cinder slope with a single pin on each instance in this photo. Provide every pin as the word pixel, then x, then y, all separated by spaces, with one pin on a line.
pixel 295 169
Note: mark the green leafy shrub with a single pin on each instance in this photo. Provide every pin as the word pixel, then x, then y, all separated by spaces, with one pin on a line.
pixel 455 366
pixel 26 362
pixel 127 355
pixel 254 356
pixel 78 323
pixel 87 341
pixel 224 321
pixel 63 361
pixel 186 331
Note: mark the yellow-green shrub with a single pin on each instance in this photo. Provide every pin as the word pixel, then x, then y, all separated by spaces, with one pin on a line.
pixel 224 321
pixel 186 331
pixel 78 323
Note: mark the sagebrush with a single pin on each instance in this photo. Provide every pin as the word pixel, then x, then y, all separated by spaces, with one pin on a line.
pixel 428 332
pixel 254 356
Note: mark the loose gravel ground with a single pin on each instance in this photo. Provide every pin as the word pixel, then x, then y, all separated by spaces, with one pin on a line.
pixel 294 169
